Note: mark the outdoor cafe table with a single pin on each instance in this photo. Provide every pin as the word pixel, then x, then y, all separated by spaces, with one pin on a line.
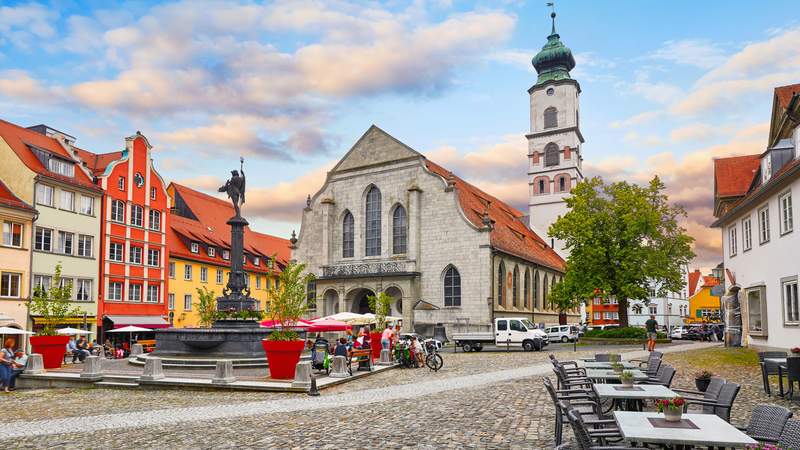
pixel 633 396
pixel 781 363
pixel 706 430
pixel 603 365
pixel 603 375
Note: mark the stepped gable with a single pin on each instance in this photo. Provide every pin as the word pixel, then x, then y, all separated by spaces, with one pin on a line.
pixel 509 234
pixel 19 139
pixel 7 198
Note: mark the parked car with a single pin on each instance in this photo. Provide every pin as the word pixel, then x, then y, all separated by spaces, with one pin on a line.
pixel 678 333
pixel 603 327
pixel 506 331
pixel 563 333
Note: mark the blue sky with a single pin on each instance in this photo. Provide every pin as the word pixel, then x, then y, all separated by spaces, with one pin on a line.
pixel 291 85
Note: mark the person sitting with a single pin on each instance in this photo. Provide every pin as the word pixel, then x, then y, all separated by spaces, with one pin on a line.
pixel 83 347
pixel 7 366
pixel 17 367
pixel 72 348
pixel 341 348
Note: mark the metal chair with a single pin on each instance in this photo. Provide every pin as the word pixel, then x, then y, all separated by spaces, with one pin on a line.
pixel 711 393
pixel 590 439
pixel 579 399
pixel 602 357
pixel 665 375
pixel 768 369
pixel 792 375
pixel 652 367
pixel 767 422
pixel 723 404
pixel 790 437
pixel 652 356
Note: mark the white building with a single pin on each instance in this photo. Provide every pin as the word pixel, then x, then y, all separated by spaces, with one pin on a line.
pixel 670 310
pixel 389 220
pixel 554 143
pixel 754 208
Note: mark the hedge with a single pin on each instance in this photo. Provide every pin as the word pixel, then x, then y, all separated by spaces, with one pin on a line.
pixel 620 333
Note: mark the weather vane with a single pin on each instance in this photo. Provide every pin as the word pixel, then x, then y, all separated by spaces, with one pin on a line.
pixel 552 6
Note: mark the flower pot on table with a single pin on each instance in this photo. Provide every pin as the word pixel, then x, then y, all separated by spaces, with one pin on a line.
pixel 673 414
pixel 375 344
pixel 52 349
pixel 282 357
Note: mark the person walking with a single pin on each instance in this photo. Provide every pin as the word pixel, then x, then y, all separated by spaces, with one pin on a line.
pixel 652 332
pixel 7 365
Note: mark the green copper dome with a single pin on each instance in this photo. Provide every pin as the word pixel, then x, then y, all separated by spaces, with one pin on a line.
pixel 555 60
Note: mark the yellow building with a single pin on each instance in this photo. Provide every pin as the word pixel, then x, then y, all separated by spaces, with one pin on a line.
pixel 703 306
pixel 15 258
pixel 198 240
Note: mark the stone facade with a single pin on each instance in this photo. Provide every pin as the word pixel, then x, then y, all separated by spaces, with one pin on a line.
pixel 441 233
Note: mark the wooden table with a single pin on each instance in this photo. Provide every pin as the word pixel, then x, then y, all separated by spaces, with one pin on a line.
pixel 711 431
pixel 605 375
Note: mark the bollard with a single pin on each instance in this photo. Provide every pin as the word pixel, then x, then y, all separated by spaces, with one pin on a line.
pixel 35 364
pixel 313 391
pixel 91 369
pixel 223 374
pixel 152 369
pixel 386 357
pixel 302 375
pixel 340 369
pixel 136 350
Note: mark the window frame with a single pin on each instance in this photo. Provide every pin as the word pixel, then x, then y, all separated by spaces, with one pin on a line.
pixel 147 297
pixel 42 189
pixel 137 216
pixel 20 234
pixel 226 254
pixel 515 287
pixel 501 287
pixel 172 269
pixel 220 276
pixel 66 243
pixel 111 253
pixel 203 274
pixel 194 247
pixel 451 282
pixel 112 291
pixel 550 117
pixel 135 250
pixel 154 220
pixel 153 193
pixel 7 293
pixel 211 251
pixel 763 225
pixel 79 284
pixel 64 195
pixel 552 149
pixel 348 235
pixel 90 211
pixel 786 221
pixel 171 301
pixel 118 211
pixel 187 272
pixel 135 288
pixel 121 183
pixel 373 226
pixel 399 230
pixel 150 253
pixel 787 282
pixel 85 241
pixel 187 306
pixel 747 234
pixel 732 241
pixel 762 311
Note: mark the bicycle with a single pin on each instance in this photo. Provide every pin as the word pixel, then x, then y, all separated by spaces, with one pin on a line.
pixel 434 360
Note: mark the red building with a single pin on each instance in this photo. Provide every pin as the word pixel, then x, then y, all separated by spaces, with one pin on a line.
pixel 135 217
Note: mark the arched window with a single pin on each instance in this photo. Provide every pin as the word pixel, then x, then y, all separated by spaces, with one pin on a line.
pixel 545 300
pixel 637 309
pixel 348 235
pixel 515 287
pixel 399 230
pixel 452 287
pixel 541 186
pixel 562 184
pixel 551 157
pixel 536 302
pixel 550 117
pixel 373 242
pixel 526 289
pixel 501 283
pixel 552 285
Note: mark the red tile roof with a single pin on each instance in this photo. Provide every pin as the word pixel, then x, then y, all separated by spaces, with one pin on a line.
pixel 211 229
pixel 97 162
pixel 19 138
pixel 733 175
pixel 709 281
pixel 510 234
pixel 7 198
pixel 694 277
pixel 784 94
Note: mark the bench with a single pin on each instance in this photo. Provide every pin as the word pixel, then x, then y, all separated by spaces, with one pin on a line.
pixel 363 356
pixel 148 345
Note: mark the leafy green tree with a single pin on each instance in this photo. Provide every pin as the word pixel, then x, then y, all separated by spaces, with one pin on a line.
pixel 623 239
pixel 380 305
pixel 54 304
pixel 287 302
pixel 206 306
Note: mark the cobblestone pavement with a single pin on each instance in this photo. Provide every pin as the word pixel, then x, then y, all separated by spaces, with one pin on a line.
pixel 469 404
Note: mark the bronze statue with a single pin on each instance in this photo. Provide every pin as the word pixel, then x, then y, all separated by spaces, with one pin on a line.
pixel 235 187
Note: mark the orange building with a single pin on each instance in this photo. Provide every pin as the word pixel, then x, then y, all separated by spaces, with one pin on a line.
pixel 133 239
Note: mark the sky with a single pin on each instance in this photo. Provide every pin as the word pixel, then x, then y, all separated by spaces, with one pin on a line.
pixel 291 85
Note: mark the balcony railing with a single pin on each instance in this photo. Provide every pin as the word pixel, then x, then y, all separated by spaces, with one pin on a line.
pixel 368 268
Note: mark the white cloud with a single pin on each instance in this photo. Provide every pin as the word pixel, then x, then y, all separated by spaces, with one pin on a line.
pixel 692 52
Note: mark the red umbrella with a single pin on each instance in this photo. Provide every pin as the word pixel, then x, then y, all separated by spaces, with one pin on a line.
pixel 276 324
pixel 323 325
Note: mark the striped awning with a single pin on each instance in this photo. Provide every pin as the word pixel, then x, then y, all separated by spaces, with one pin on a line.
pixel 38 320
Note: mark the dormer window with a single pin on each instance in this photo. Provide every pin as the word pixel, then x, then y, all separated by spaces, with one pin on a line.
pixel 61 167
pixel 195 247
pixel 226 255
pixel 257 261
pixel 212 251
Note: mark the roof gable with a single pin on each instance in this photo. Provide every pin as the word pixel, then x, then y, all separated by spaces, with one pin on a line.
pixel 9 199
pixel 733 175
pixel 374 147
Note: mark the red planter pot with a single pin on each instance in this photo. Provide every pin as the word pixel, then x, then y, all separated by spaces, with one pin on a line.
pixel 375 344
pixel 52 349
pixel 283 357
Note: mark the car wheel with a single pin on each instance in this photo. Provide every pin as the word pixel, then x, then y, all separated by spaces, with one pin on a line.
pixel 467 348
pixel 478 348
pixel 564 339
pixel 528 346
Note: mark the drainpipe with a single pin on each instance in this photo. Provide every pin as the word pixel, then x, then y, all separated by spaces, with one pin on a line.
pixel 491 293
pixel 30 263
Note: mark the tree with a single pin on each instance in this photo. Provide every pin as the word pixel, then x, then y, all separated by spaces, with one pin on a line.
pixel 53 304
pixel 206 306
pixel 380 305
pixel 623 239
pixel 287 302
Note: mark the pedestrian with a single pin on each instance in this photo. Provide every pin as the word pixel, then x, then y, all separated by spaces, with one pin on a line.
pixel 652 326
pixel 7 365
pixel 386 337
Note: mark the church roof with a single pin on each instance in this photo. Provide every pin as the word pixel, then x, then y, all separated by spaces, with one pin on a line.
pixel 509 233
pixel 555 60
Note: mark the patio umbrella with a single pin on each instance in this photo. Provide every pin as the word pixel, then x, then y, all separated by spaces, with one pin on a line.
pixel 130 329
pixel 362 319
pixel 70 331
pixel 323 325
pixel 10 330
pixel 343 316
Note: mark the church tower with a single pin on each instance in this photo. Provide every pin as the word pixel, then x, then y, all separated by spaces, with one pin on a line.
pixel 554 143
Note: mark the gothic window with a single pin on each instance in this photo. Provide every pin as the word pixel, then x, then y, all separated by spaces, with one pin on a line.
pixel 348 235
pixel 399 230
pixel 311 295
pixel 545 300
pixel 515 287
pixel 550 117
pixel 536 289
pixel 373 243
pixel 501 283
pixel 526 288
pixel 550 155
pixel 552 285
pixel 452 287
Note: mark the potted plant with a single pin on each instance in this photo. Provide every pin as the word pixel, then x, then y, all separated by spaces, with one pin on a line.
pixel 617 367
pixel 702 379
pixel 626 378
pixel 795 352
pixel 285 306
pixel 53 306
pixel 615 357
pixel 671 407
pixel 380 305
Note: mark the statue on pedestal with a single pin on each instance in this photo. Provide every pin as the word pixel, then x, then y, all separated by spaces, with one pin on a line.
pixel 235 187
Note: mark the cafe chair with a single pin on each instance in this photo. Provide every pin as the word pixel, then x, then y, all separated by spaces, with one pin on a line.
pixel 587 439
pixel 767 423
pixel 724 403
pixel 710 395
pixel 790 436
pixel 580 400
pixel 654 355
pixel 568 381
pixel 665 375
pixel 768 369
pixel 792 375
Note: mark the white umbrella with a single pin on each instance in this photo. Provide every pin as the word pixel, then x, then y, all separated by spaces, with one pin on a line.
pixel 343 316
pixel 10 330
pixel 71 331
pixel 130 329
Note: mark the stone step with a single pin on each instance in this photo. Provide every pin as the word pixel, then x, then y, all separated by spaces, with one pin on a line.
pixel 121 378
pixel 114 384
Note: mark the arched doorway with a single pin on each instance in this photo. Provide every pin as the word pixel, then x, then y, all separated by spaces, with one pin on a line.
pixel 331 302
pixel 358 300
pixel 397 300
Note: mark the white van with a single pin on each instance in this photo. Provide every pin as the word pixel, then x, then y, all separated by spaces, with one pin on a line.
pixel 563 333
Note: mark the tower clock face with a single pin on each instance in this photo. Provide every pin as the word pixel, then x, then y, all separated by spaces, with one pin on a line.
pixel 551 91
pixel 138 179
